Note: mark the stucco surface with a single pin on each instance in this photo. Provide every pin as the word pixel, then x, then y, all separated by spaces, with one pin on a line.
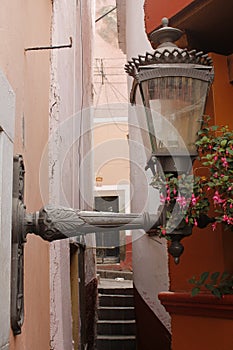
pixel 70 177
pixel 28 75
pixel 150 261
pixel 7 116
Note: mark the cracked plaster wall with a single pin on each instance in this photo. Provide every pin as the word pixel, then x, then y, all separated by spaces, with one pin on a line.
pixel 70 167
pixel 7 121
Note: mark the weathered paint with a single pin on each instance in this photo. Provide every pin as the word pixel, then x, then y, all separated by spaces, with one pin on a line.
pixel 150 264
pixel 70 139
pixel 7 123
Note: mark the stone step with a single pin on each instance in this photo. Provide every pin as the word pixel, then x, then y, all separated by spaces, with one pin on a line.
pixel 116 313
pixel 126 275
pixel 116 342
pixel 116 300
pixel 119 291
pixel 116 327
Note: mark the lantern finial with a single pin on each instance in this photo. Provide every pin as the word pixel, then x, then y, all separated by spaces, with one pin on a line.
pixel 166 35
pixel 165 22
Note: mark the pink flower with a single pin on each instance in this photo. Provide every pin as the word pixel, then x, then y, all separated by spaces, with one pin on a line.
pixel 162 198
pixel 214 225
pixel 163 231
pixel 193 200
pixel 182 201
pixel 217 198
pixel 227 219
pixel 224 162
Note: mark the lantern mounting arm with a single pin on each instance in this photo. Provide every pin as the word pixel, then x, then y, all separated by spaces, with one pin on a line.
pixel 54 223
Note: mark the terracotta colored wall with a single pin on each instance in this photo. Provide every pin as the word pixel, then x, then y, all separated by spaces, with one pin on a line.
pixel 192 324
pixel 201 333
pixel 25 24
pixel 206 250
pixel 156 10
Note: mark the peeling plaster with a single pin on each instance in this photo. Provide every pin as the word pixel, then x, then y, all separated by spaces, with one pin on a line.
pixel 53 279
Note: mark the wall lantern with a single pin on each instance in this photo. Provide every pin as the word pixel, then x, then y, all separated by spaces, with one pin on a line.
pixel 169 92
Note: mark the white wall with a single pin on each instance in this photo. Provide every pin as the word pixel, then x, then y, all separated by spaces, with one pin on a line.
pixel 150 261
pixel 7 124
pixel 70 140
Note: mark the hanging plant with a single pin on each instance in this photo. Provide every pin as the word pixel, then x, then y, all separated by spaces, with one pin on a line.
pixel 191 195
pixel 215 146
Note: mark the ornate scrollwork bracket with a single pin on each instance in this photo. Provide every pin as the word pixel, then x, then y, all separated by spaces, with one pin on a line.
pixel 17 253
pixel 55 223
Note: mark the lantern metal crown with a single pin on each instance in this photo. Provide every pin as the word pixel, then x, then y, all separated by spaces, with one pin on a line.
pixel 173 84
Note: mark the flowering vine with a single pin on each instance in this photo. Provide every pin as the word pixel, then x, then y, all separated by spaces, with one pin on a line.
pixel 191 196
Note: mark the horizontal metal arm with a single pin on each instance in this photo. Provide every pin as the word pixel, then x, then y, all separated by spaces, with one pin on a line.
pixel 52 223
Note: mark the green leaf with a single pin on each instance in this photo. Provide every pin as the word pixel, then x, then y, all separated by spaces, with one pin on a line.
pixel 217 293
pixel 214 277
pixel 192 280
pixel 225 178
pixel 195 291
pixel 209 287
pixel 230 151
pixel 224 276
pixel 223 143
pixel 204 277
pixel 214 127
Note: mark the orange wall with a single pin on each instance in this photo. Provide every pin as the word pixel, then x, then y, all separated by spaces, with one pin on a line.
pixel 25 24
pixel 206 250
pixel 222 92
pixel 156 10
pixel 202 333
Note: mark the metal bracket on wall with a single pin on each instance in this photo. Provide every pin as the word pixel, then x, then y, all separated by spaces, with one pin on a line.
pixel 55 223
pixel 39 48
pixel 17 250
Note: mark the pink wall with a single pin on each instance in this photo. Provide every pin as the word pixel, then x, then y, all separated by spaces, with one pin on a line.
pixel 25 24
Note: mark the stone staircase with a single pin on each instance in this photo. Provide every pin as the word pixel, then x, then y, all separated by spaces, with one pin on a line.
pixel 116 327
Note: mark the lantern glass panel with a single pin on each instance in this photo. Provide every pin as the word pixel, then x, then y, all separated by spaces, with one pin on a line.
pixel 174 110
pixel 143 125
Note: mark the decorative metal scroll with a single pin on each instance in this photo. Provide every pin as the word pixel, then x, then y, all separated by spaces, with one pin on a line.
pixel 17 255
